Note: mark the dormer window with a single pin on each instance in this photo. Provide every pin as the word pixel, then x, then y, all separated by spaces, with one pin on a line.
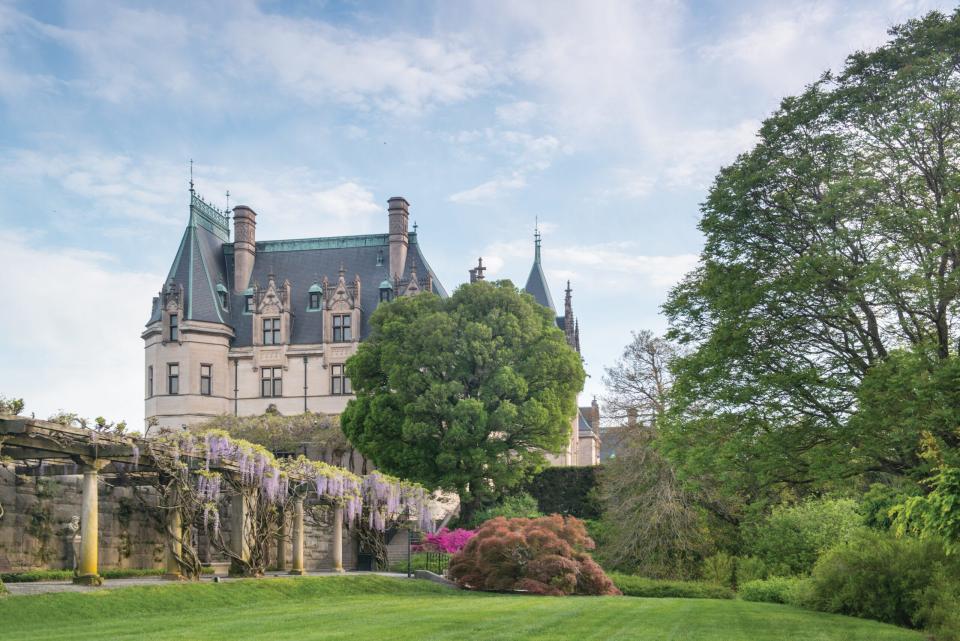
pixel 386 292
pixel 379 258
pixel 174 327
pixel 222 295
pixel 314 302
pixel 248 303
pixel 271 331
pixel 342 328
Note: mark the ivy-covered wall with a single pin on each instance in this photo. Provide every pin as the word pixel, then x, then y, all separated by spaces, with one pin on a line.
pixel 567 490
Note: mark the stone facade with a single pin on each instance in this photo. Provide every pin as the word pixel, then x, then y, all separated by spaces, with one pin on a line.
pixel 243 327
pixel 38 510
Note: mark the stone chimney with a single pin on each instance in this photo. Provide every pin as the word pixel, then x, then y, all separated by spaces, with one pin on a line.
pixel 398 210
pixel 244 246
pixel 631 417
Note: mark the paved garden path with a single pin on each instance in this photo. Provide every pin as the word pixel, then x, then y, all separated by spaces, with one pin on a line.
pixel 43 587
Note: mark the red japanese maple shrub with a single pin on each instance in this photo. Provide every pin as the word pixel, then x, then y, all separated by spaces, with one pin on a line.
pixel 548 555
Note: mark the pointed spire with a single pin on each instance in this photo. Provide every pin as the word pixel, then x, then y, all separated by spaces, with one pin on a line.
pixel 191 175
pixel 536 240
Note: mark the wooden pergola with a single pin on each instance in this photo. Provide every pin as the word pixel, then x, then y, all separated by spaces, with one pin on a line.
pixel 56 449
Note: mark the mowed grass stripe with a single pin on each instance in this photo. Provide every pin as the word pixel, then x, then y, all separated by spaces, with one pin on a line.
pixel 369 608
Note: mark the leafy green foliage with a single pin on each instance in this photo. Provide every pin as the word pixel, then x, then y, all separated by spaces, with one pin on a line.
pixel 938 513
pixel 939 610
pixel 829 245
pixel 567 490
pixel 631 585
pixel 465 393
pixel 11 406
pixel 513 506
pixel 279 433
pixel 878 576
pixel 776 589
pixel 791 538
pixel 878 502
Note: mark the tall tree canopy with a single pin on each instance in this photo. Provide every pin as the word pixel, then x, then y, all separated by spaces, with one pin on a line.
pixel 834 242
pixel 465 393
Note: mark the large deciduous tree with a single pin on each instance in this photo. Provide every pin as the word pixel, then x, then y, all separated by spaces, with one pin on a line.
pixel 832 243
pixel 466 393
pixel 652 525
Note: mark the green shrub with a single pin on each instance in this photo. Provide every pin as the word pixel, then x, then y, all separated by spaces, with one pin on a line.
pixel 876 503
pixel 720 569
pixel 878 576
pixel 731 571
pixel 567 490
pixel 940 606
pixel 517 506
pixel 750 568
pixel 640 586
pixel 776 589
pixel 791 538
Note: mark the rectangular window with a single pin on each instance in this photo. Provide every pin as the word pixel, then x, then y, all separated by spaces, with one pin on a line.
pixel 271 383
pixel 174 327
pixel 342 332
pixel 314 300
pixel 339 383
pixel 271 331
pixel 206 376
pixel 173 378
pixel 248 304
pixel 149 381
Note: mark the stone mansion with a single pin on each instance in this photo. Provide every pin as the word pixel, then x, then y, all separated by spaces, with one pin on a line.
pixel 245 326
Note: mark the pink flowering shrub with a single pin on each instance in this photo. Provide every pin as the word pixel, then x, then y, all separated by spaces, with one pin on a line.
pixel 448 541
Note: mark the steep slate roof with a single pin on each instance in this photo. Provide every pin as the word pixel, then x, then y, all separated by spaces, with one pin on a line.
pixel 583 424
pixel 537 281
pixel 204 260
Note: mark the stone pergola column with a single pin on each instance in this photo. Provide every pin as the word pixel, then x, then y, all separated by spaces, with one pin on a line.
pixel 338 539
pixel 87 568
pixel 174 547
pixel 239 528
pixel 297 537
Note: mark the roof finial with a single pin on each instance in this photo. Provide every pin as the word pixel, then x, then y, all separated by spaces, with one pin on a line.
pixel 536 238
pixel 415 227
pixel 228 200
pixel 191 175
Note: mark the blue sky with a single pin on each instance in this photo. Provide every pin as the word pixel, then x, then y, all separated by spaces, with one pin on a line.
pixel 607 120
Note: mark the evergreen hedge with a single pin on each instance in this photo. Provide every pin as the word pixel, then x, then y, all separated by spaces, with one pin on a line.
pixel 567 490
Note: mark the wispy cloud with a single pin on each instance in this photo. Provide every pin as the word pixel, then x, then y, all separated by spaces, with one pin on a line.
pixel 84 352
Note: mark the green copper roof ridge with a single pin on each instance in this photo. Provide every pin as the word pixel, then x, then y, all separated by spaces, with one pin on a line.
pixel 193 238
pixel 328 242
pixel 176 260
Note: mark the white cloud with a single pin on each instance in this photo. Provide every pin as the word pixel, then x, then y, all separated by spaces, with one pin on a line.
pixel 517 113
pixel 294 202
pixel 490 189
pixel 613 266
pixel 73 342
pixel 524 152
pixel 318 62
pixel 115 185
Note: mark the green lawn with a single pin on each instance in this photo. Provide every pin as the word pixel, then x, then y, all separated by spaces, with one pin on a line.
pixel 368 608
